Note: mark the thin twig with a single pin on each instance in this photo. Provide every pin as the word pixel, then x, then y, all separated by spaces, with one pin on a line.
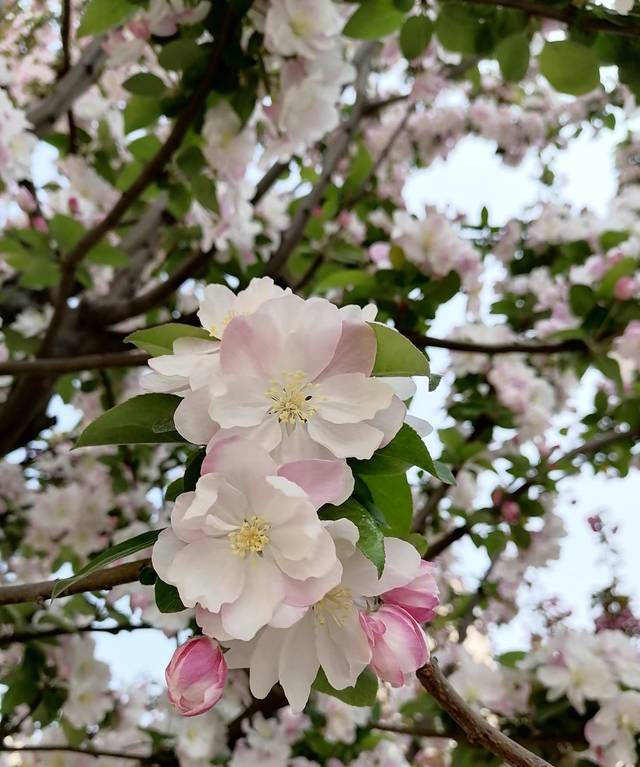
pixel 50 365
pixel 20 637
pixel 74 750
pixel 524 347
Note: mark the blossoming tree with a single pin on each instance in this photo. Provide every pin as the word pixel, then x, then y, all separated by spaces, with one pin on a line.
pixel 217 314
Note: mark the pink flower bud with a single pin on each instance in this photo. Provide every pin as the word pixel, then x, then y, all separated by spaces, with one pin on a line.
pixel 419 597
pixel 140 29
pixel 497 496
pixel 25 200
pixel 40 224
pixel 510 511
pixel 398 644
pixel 196 676
pixel 626 288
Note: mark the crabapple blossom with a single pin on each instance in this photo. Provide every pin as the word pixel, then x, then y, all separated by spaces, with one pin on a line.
pixel 196 676
pixel 612 733
pixel 248 539
pixel 301 27
pixel 229 146
pixel 419 597
pixel 329 634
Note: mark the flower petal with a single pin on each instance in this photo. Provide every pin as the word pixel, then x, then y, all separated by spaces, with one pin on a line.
pixel 351 440
pixel 355 352
pixel 207 571
pixel 192 419
pixel 323 481
pixel 241 462
pixel 352 397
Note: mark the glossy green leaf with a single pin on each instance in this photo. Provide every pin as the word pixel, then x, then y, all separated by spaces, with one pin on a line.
pixel 457 28
pixel 102 15
pixel 415 36
pixel 392 496
pixel 363 694
pixel 167 598
pixel 570 67
pixel 396 355
pixel 132 422
pixel 140 112
pixel 180 54
pixel 373 19
pixel 159 340
pixel 371 540
pixel 513 55
pixel 144 84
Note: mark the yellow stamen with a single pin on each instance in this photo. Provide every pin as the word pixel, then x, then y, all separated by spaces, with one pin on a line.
pixel 336 604
pixel 294 400
pixel 251 537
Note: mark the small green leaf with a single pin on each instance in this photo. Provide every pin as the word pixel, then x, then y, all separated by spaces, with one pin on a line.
pixel 434 381
pixel 102 15
pixel 396 355
pixel 124 549
pixel 108 255
pixel 145 84
pixel 180 54
pixel 405 451
pixel 415 36
pixel 513 57
pixel 392 496
pixel 65 231
pixel 204 190
pixel 570 67
pixel 131 423
pixel 625 268
pixel 167 598
pixel 457 28
pixel 145 147
pixel 373 19
pixel 140 112
pixel 175 489
pixel 363 694
pixel 582 299
pixel 159 340
pixel 371 540
pixel 344 278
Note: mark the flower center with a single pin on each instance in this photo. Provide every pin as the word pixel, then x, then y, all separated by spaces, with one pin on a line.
pixel 293 399
pixel 336 604
pixel 302 24
pixel 213 329
pixel 252 537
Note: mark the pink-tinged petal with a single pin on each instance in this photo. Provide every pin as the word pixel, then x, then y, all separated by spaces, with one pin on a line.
pixel 287 615
pixel 262 593
pixel 399 646
pixel 343 650
pixel 244 403
pixel 248 347
pixel 204 372
pixel 352 397
pixel 355 352
pixel 183 501
pixel 207 571
pixel 217 509
pixel 211 624
pixel 165 550
pixel 215 309
pixel 264 669
pixel 403 387
pixel 239 654
pixel 319 558
pixel 196 676
pixel 299 663
pixel 302 594
pixel 402 563
pixel 323 481
pixel 241 462
pixel 311 346
pixel 419 425
pixel 192 419
pixel 162 384
pixel 351 440
pixel 390 421
pixel 279 501
pixel 297 445
pixel 196 346
pixel 419 597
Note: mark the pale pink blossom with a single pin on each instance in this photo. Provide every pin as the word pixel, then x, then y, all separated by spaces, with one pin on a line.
pixel 420 596
pixel 301 27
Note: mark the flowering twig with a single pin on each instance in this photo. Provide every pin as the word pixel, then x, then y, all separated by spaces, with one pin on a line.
pixel 477 730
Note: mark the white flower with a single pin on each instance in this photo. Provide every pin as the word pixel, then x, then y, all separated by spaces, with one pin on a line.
pixel 31 322
pixel 228 146
pixel 612 733
pixel 301 27
pixel 248 539
pixel 330 634
pixel 308 112
pixel 623 7
pixel 296 379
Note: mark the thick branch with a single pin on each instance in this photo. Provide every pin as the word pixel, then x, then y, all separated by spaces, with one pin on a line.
pixel 570 345
pixel 50 365
pixel 101 580
pixel 477 730
pixel 74 750
pixel 569 14
pixel 45 114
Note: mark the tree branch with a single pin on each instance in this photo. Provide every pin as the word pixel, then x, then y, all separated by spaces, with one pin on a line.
pixel 477 730
pixel 337 148
pixel 570 345
pixel 568 14
pixel 75 750
pixel 49 365
pixel 20 637
pixel 101 580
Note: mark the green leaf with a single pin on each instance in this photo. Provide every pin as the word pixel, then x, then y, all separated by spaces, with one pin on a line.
pixel 371 540
pixel 132 422
pixel 204 190
pixel 145 84
pixel 434 381
pixel 102 15
pixel 396 355
pixel 159 340
pixel 65 231
pixel 570 67
pixel 415 36
pixel 108 255
pixel 174 489
pixel 405 451
pixel 582 299
pixel 167 598
pixel 124 549
pixel 363 694
pixel 511 658
pixel 180 54
pixel 344 278
pixel 373 19
pixel 419 542
pixel 625 268
pixel 457 28
pixel 145 147
pixel 140 112
pixel 392 496
pixel 361 166
pixel 513 57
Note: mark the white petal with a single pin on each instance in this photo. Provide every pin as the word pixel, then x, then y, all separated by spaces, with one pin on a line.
pixel 264 662
pixel 241 462
pixel 244 403
pixel 353 397
pixel 165 550
pixel 192 419
pixel 207 571
pixel 351 440
pixel 262 593
pixel 299 662
pixel 343 650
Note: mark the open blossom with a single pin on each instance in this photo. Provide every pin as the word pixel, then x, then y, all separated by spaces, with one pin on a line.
pixel 329 634
pixel 249 539
pixel 164 16
pixel 228 145
pixel 628 344
pixel 398 644
pixel 196 676
pixel 301 27
pixel 613 732
pixel 419 597
pixel 295 378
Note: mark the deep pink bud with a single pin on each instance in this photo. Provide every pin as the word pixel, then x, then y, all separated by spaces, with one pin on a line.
pixel 196 676
pixel 40 224
pixel 419 597
pixel 497 496
pixel 25 200
pixel 398 644
pixel 626 288
pixel 510 511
